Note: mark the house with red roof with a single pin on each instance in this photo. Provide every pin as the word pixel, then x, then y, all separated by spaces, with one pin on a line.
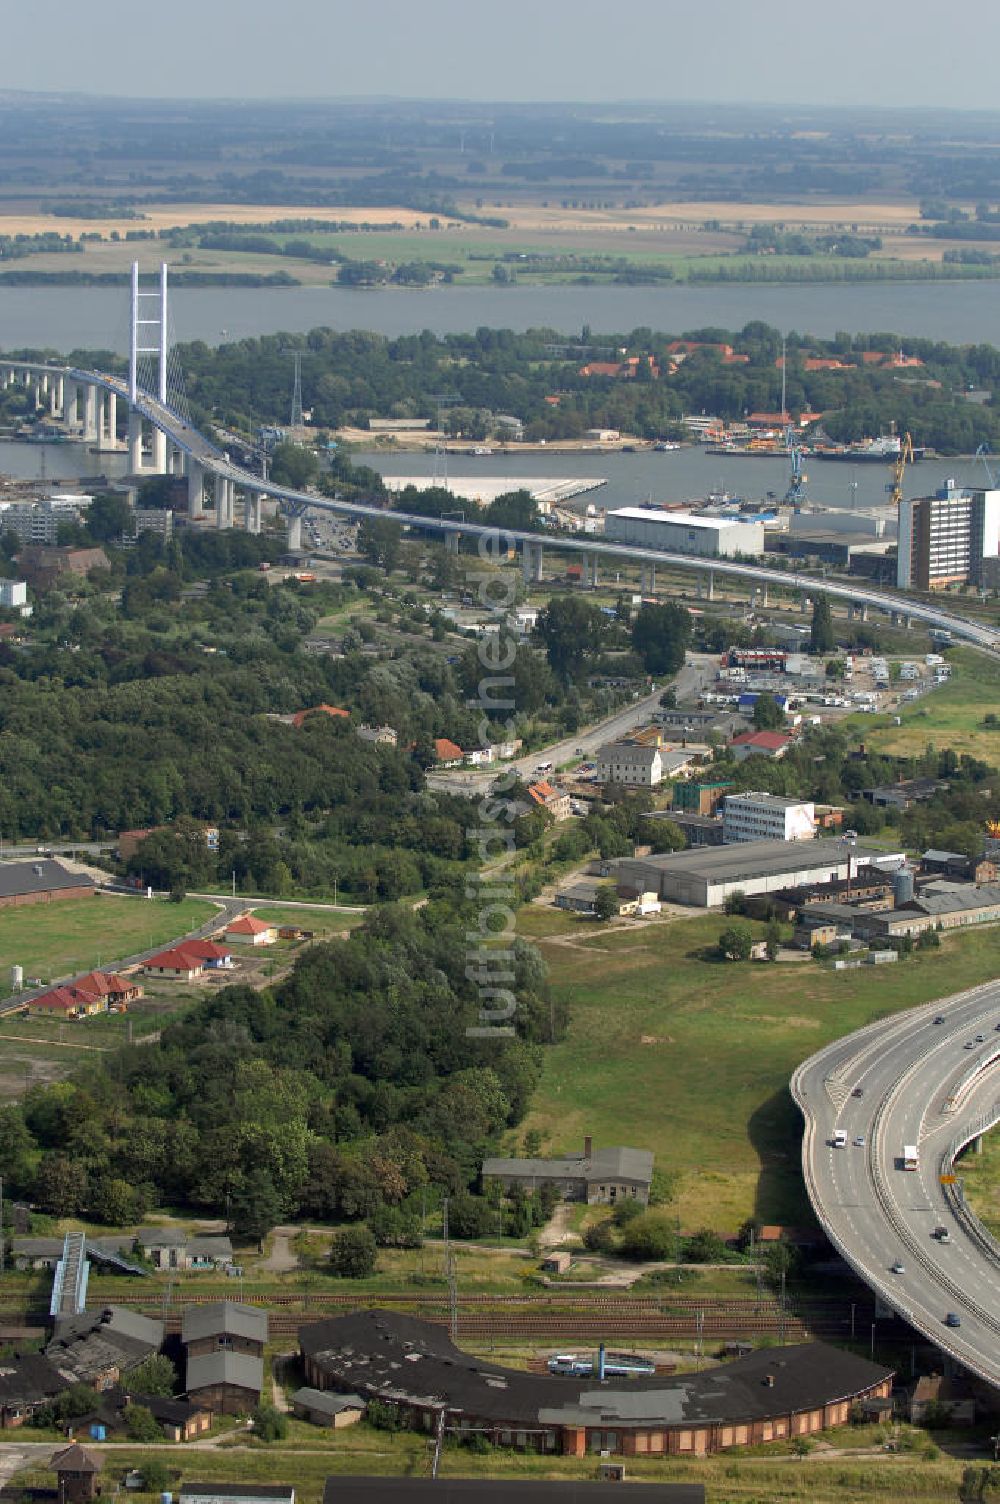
pixel 546 796
pixel 249 930
pixel 447 752
pixel 97 992
pixel 301 716
pixel 760 744
pixel 187 961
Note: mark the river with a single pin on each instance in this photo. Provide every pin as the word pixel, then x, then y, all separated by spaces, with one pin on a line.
pixel 678 475
pixel 96 318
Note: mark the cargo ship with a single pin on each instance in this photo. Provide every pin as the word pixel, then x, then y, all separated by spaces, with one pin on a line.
pixel 881 451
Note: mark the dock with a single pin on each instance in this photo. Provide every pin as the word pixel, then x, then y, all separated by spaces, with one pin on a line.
pixel 482 489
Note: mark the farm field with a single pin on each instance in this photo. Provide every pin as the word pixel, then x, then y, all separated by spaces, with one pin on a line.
pixel 673 1051
pixel 59 939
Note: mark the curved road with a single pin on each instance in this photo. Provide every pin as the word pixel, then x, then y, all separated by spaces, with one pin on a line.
pixel 214 462
pixel 910 1080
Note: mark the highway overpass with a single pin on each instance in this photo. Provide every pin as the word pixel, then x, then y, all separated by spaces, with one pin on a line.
pixel 926 1078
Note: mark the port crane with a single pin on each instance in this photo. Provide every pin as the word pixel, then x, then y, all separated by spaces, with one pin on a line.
pixel 796 492
pixel 981 453
pixel 899 464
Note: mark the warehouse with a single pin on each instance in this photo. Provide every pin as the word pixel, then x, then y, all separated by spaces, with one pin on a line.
pixel 410 1364
pixel 41 882
pixel 685 533
pixel 706 876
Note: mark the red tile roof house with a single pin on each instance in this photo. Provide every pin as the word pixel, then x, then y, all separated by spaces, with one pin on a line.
pixel 760 744
pixel 94 993
pixel 249 930
pixel 189 960
pixel 447 753
pixel 301 716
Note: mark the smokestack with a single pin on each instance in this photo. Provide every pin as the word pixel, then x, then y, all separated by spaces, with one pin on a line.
pixel 588 1146
pixel 601 1356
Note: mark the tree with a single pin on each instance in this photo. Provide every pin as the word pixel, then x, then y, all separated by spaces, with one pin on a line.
pixel 706 1247
pixel 155 1475
pixel 268 1423
pixel 767 713
pixel 660 635
pixel 649 1237
pixel 255 1207
pixel 605 902
pixel 572 631
pixel 293 466
pixel 772 939
pixel 108 517
pixel 141 1425
pixel 821 636
pixel 156 1375
pixel 599 1237
pixel 379 542
pixel 735 943
pixel 353 1253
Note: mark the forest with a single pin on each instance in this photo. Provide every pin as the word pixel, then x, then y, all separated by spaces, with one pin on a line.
pixel 349 1088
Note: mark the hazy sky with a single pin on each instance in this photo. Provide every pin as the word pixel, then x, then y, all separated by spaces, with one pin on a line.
pixel 895 52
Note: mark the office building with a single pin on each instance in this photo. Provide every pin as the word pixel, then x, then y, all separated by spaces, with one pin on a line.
pixel 767 817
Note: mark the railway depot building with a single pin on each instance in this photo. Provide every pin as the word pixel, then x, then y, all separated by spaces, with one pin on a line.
pixel 765 1396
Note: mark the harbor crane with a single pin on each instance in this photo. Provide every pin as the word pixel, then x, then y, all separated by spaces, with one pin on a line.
pixel 899 464
pixel 796 492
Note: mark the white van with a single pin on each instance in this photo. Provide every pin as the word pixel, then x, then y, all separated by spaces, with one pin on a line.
pixel 839 1140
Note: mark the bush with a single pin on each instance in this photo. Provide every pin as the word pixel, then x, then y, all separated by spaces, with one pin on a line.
pixel 649 1237
pixel 627 1211
pixel 269 1424
pixel 599 1237
pixel 353 1253
pixel 141 1425
pixel 156 1476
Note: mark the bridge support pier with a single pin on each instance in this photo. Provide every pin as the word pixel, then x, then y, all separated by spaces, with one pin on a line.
pixel 706 585
pixel 590 571
pixel 648 584
pixel 55 396
pixel 159 455
pixel 294 535
pixel 90 434
pixel 251 511
pixel 531 563
pixel 107 420
pixel 196 491
pixel 452 541
pixel 70 390
pixel 134 440
pixel 223 502
pixel 857 611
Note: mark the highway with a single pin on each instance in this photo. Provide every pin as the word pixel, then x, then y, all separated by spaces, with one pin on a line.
pixel 910 1080
pixel 214 462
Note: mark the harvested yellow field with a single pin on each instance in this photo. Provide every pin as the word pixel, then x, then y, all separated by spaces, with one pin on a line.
pixel 165 216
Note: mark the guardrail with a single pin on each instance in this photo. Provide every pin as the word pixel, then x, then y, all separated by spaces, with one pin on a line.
pixel 954 1192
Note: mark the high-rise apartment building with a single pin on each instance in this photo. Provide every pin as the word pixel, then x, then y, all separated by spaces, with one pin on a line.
pixel 948 538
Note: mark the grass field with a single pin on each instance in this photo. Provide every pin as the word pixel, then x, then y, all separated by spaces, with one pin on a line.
pixel 56 940
pixel 691 1058
pixel 322 922
pixel 981 1178
pixel 951 716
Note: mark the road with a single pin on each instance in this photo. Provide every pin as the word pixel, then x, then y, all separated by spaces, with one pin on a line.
pixel 921 1084
pixel 689 683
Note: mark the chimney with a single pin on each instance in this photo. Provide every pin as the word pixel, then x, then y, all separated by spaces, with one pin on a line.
pixel 588 1146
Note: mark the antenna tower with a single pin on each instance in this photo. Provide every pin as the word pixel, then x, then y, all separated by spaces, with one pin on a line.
pixel 296 420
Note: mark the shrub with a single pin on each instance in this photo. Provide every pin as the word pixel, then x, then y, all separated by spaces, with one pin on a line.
pixel 269 1424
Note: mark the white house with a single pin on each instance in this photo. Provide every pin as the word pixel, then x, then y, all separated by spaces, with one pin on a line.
pixel 628 762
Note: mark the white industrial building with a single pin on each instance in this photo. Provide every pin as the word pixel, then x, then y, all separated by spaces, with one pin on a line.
pixel 767 817
pixel 13 594
pixel 705 876
pixel 685 533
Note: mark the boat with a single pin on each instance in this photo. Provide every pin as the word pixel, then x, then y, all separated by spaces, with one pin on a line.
pixel 881 451
pixel 665 446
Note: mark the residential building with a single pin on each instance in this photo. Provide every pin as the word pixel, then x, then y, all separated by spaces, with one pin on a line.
pixel 27 1382
pixel 705 877
pixel 950 538
pixel 382 736
pixel 41 881
pixel 189 960
pixel 686 721
pixel 767 817
pixel 334 711
pixel 249 930
pixel 158 520
pixel 37 522
pixel 770 1394
pixel 552 799
pixel 447 753
pixel 685 533
pixel 97 992
pixel 578 898
pixel 629 763
pixel 13 593
pixel 604 1177
pixel 760 744
pixel 325 1408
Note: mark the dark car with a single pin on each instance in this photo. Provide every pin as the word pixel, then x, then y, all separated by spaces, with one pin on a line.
pixel 858 1091
pixel 953 1319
